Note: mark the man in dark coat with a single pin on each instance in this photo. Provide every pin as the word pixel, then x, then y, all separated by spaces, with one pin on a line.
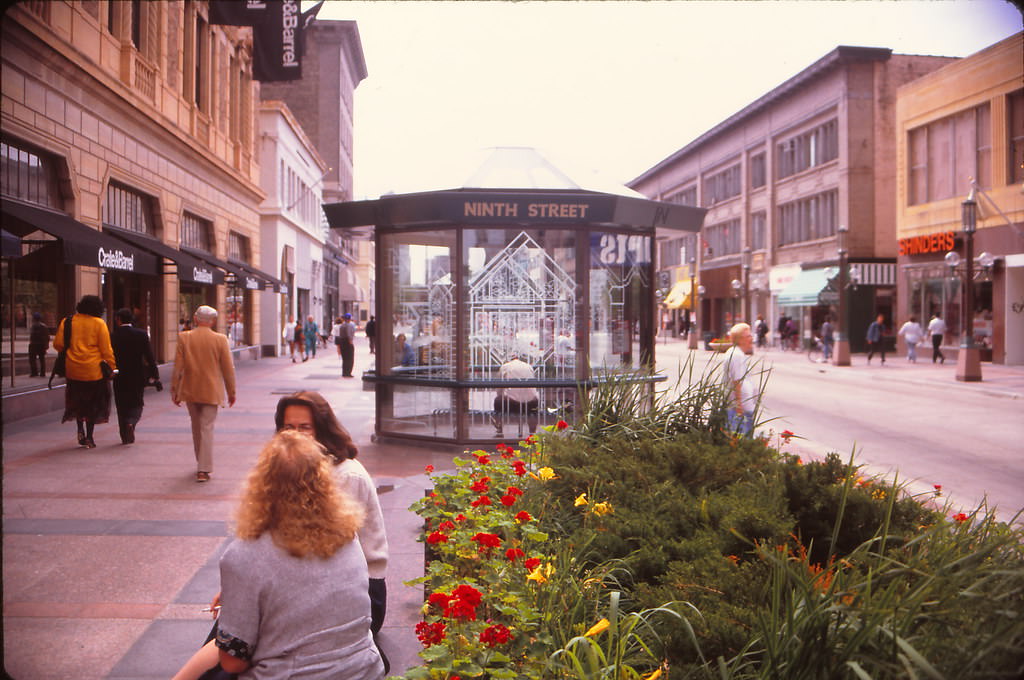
pixel 136 368
pixel 38 342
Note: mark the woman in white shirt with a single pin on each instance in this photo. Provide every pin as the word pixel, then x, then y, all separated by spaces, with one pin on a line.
pixel 912 334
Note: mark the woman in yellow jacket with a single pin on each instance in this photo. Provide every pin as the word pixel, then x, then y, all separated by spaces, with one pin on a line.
pixel 87 395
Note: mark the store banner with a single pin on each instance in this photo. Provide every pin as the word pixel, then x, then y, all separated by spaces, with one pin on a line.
pixel 278 27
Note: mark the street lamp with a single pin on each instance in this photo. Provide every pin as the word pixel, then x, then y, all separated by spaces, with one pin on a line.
pixel 737 286
pixel 968 360
pixel 746 283
pixel 842 349
pixel 692 330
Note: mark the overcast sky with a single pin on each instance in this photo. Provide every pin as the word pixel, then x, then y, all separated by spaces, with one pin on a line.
pixel 603 89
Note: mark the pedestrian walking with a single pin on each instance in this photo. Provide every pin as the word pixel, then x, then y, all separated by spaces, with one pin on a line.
pixel 761 330
pixel 347 333
pixel 827 339
pixel 309 332
pixel 336 334
pixel 203 372
pixel 371 333
pixel 874 337
pixel 288 335
pixel 136 368
pixel 743 392
pixel 38 343
pixel 89 365
pixel 912 335
pixel 937 329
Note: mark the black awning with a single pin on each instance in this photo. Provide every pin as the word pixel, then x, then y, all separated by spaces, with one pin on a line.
pixel 80 244
pixel 189 268
pixel 242 278
pixel 269 282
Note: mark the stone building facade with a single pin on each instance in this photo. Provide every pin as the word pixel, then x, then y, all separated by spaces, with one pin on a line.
pixel 779 178
pixel 131 126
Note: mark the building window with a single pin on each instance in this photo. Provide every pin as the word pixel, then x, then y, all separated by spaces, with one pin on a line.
pixel 687 196
pixel 808 219
pixel 757 171
pixel 238 247
pixel 27 175
pixel 1015 112
pixel 674 252
pixel 195 67
pixel 196 233
pixel 723 238
pixel 128 209
pixel 722 185
pixel 810 149
pixel 946 154
pixel 758 224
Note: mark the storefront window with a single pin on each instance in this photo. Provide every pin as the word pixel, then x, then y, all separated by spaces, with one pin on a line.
pixel 619 314
pixel 934 291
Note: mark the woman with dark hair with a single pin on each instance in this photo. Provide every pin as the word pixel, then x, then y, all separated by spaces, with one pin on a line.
pixel 87 393
pixel 309 413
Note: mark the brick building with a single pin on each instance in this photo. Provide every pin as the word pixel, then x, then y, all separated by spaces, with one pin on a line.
pixel 779 178
pixel 961 123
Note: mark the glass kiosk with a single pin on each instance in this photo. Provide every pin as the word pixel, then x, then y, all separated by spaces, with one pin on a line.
pixel 469 279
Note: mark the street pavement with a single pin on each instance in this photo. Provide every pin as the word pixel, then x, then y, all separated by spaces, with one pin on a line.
pixel 910 421
pixel 110 554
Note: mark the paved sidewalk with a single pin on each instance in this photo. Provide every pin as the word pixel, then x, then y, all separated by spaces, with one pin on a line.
pixel 109 554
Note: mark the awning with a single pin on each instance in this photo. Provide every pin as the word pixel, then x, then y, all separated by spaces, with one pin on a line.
pixel 267 282
pixel 679 296
pixel 189 269
pixel 79 244
pixel 241 278
pixel 804 289
pixel 348 286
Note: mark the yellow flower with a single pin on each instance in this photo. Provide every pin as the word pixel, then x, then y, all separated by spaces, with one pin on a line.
pixel 602 509
pixel 580 500
pixel 541 574
pixel 545 474
pixel 653 676
pixel 598 628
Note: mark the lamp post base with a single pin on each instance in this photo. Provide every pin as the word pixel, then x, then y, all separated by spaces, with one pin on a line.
pixel 842 352
pixel 693 338
pixel 968 364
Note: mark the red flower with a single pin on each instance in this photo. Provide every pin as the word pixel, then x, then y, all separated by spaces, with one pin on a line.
pixel 480 486
pixel 460 517
pixel 439 599
pixel 523 516
pixel 430 633
pixel 519 467
pixel 482 459
pixel 532 563
pixel 532 439
pixel 487 541
pixel 437 537
pixel 431 494
pixel 429 469
pixel 514 491
pixel 513 554
pixel 446 525
pixel 463 603
pixel 561 425
pixel 495 635
pixel 483 500
pixel 960 518
pixel 786 435
pixel 508 500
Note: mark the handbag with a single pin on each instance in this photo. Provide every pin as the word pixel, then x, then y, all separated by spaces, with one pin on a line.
pixel 60 364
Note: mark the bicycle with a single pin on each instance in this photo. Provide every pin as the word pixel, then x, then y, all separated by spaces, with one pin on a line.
pixel 814 352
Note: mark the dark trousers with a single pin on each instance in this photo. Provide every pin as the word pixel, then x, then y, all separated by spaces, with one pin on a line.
pixel 348 358
pixel 937 349
pixel 129 403
pixel 876 347
pixel 373 344
pixel 504 405
pixel 37 354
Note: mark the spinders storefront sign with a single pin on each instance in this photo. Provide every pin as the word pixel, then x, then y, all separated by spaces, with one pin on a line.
pixel 939 242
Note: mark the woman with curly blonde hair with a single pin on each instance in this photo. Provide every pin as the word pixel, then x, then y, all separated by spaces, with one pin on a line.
pixel 294 583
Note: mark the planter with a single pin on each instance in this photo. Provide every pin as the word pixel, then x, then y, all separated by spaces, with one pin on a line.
pixel 719 346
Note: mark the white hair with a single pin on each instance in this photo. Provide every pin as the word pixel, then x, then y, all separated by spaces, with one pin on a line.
pixel 206 315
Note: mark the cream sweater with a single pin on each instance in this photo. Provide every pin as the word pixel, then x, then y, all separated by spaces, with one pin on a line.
pixel 356 481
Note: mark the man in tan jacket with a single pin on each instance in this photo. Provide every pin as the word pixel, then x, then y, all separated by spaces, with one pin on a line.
pixel 203 370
